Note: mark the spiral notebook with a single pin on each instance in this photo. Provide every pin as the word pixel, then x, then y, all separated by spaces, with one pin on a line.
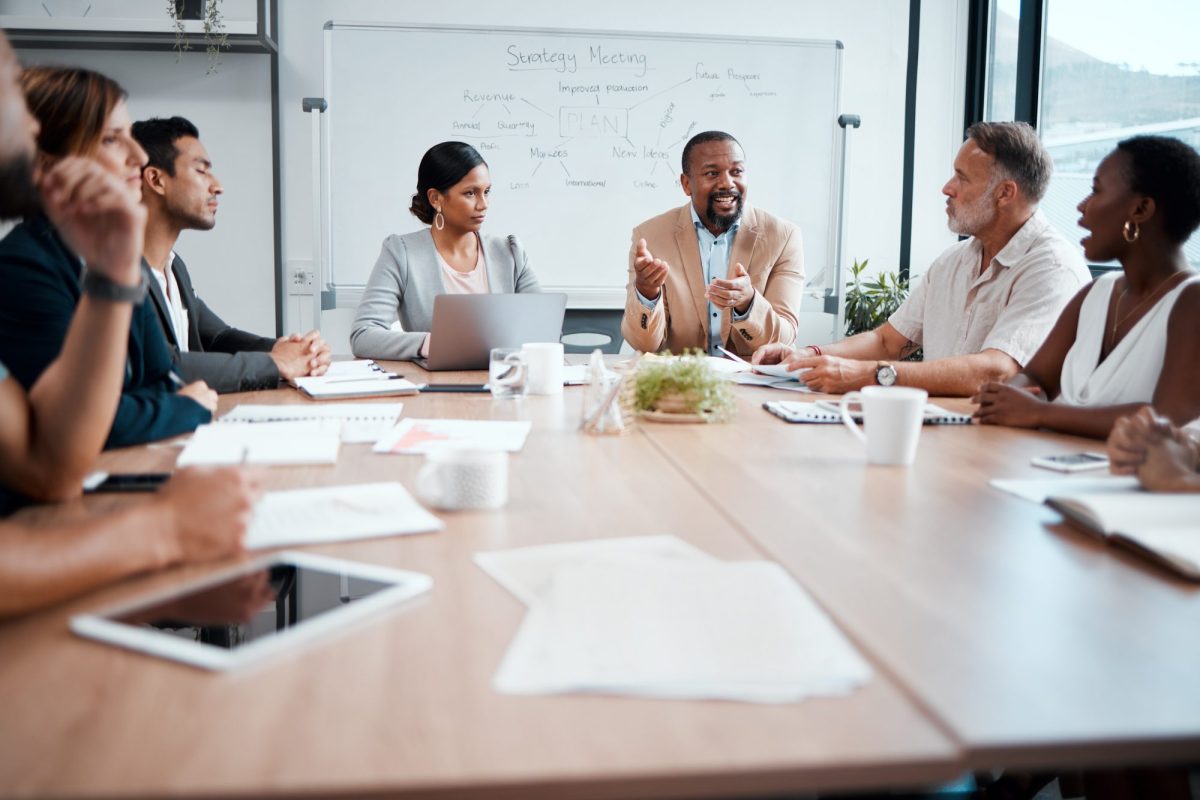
pixel 361 422
pixel 824 412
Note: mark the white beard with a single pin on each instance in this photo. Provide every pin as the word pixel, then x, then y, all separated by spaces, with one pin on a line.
pixel 969 220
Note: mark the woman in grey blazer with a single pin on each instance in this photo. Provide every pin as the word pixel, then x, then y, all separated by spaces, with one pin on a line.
pixel 451 256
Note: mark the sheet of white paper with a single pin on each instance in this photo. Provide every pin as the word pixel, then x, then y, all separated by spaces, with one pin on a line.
pixel 337 514
pixel 361 422
pixel 727 366
pixel 679 629
pixel 770 381
pixel 294 442
pixel 1036 490
pixel 528 571
pixel 575 374
pixel 422 435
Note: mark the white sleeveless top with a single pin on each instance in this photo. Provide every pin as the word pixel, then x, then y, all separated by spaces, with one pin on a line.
pixel 1130 373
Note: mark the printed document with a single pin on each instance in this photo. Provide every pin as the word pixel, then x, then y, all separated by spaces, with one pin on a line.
pixel 337 514
pixel 295 442
pixel 422 435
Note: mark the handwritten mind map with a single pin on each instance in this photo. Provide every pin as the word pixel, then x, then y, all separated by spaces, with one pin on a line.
pixel 604 116
pixel 582 132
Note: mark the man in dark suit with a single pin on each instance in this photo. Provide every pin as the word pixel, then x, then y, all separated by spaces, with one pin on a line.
pixel 180 192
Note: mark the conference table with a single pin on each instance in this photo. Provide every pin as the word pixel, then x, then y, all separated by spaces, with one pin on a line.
pixel 996 635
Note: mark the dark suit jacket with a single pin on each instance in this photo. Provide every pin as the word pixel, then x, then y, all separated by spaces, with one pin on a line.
pixel 41 289
pixel 227 359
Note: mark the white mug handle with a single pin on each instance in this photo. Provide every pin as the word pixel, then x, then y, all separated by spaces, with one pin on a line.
pixel 847 420
pixel 429 488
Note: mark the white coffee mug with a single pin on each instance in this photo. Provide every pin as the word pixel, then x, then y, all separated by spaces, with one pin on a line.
pixel 892 416
pixel 457 479
pixel 545 367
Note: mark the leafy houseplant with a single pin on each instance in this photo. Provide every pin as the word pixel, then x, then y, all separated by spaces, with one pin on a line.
pixel 869 303
pixel 683 385
pixel 215 37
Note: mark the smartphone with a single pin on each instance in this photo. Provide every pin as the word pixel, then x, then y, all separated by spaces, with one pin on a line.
pixel 127 482
pixel 1072 462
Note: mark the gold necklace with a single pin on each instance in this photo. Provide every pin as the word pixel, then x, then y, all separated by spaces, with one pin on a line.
pixel 1119 320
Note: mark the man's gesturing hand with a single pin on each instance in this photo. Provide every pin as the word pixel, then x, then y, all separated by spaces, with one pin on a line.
pixel 650 273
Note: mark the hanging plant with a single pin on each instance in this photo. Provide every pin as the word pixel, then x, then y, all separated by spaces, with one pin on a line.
pixel 215 37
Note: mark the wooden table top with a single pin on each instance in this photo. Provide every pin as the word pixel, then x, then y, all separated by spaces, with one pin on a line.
pixel 402 705
pixel 1035 644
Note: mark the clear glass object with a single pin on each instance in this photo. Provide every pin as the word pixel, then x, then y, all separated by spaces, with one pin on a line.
pixel 508 373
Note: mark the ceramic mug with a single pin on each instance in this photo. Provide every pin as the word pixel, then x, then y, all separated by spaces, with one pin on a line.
pixel 545 360
pixel 892 417
pixel 456 479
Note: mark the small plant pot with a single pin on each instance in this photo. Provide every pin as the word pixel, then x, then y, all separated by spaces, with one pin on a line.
pixel 189 9
pixel 675 403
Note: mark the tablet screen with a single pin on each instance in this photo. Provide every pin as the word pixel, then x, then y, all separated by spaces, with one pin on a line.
pixel 253 606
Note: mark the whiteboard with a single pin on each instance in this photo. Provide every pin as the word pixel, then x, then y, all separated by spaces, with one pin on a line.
pixel 582 131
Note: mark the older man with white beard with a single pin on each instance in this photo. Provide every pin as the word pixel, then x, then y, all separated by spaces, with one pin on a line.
pixel 986 304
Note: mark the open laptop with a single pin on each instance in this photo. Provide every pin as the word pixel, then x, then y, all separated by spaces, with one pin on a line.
pixel 467 326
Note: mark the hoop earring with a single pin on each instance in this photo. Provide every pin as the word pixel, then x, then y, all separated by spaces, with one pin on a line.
pixel 439 221
pixel 1131 231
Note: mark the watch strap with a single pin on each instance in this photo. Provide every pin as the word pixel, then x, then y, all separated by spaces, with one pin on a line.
pixel 100 287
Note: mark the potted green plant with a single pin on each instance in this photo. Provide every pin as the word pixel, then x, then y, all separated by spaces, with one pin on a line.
pixel 683 388
pixel 869 303
pixel 215 37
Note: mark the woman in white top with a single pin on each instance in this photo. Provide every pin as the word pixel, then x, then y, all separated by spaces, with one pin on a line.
pixel 1130 338
pixel 449 257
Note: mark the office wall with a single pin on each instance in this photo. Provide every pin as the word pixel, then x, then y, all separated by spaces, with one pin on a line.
pixel 233 265
pixel 875 36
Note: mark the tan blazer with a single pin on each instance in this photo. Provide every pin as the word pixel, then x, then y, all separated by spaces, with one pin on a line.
pixel 767 246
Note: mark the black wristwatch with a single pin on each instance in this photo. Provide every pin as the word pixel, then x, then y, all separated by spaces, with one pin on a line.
pixel 97 286
pixel 885 374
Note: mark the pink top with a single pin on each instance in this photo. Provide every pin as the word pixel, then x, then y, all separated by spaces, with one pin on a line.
pixel 473 282
pixel 455 282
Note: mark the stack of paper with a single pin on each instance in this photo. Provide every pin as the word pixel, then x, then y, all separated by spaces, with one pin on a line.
pixel 654 617
pixel 361 422
pixel 296 442
pixel 336 514
pixel 347 379
pixel 423 435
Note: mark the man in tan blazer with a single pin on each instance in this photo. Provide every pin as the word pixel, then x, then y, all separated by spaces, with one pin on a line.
pixel 716 272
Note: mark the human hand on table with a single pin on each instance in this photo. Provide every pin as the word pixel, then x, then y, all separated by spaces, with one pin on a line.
pixel 1005 404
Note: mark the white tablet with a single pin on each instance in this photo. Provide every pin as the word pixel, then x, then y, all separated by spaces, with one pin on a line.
pixel 251 611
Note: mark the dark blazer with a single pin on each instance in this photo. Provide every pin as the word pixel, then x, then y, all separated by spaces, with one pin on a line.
pixel 41 289
pixel 227 359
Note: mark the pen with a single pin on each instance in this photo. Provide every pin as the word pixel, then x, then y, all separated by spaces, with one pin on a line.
pixel 472 388
pixel 175 379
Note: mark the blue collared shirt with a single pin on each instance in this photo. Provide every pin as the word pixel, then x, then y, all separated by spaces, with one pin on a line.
pixel 714 259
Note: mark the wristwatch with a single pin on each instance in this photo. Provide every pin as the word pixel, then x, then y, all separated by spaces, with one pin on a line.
pixel 885 374
pixel 97 286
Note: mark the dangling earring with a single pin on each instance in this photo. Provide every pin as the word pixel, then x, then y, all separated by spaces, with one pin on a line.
pixel 439 221
pixel 1131 231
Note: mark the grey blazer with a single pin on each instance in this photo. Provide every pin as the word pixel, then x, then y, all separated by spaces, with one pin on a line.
pixel 227 359
pixel 404 282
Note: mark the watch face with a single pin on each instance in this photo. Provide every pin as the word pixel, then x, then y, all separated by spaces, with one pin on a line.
pixel 885 375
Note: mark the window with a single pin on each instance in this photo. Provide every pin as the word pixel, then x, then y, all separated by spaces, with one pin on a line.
pixel 1001 92
pixel 1108 70
pixel 1112 70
